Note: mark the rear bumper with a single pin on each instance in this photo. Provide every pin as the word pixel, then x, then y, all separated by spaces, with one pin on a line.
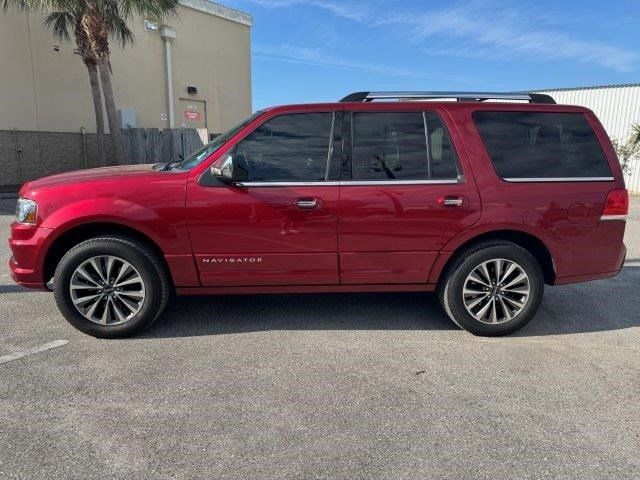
pixel 596 276
pixel 27 246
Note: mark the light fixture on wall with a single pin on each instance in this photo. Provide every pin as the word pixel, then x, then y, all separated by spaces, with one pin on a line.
pixel 149 25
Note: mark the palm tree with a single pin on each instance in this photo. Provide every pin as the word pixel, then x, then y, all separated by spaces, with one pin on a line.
pixel 94 23
pixel 75 19
pixel 108 18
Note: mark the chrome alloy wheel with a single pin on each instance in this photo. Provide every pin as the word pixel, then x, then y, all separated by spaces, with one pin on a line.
pixel 496 291
pixel 107 290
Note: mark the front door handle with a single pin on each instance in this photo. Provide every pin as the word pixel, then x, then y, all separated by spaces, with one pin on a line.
pixel 307 203
pixel 451 201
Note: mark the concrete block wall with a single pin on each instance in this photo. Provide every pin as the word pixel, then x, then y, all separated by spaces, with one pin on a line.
pixel 27 156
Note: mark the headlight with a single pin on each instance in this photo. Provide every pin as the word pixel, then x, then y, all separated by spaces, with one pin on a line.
pixel 26 211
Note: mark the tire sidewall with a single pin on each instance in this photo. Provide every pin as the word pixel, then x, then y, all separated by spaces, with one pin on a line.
pixel 456 284
pixel 98 247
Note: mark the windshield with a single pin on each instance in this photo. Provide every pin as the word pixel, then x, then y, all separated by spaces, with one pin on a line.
pixel 199 155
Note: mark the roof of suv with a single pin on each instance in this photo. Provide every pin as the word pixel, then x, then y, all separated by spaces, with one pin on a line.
pixel 450 95
pixel 447 100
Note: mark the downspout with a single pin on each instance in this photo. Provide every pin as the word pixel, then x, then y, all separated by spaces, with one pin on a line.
pixel 168 34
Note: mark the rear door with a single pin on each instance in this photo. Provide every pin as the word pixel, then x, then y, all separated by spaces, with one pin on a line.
pixel 280 226
pixel 404 194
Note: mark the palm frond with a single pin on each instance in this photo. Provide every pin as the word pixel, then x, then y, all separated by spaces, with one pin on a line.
pixel 117 13
pixel 635 134
pixel 121 32
pixel 156 9
pixel 61 24
pixel 42 5
pixel 22 5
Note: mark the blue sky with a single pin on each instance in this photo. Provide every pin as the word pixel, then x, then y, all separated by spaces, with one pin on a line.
pixel 319 50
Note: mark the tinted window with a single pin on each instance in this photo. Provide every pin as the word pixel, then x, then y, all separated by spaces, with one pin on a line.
pixel 393 146
pixel 542 145
pixel 197 157
pixel 442 159
pixel 288 148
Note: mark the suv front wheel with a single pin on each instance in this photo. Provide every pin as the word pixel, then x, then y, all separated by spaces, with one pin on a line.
pixel 492 289
pixel 111 287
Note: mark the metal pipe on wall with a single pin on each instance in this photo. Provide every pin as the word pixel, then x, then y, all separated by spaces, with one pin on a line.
pixel 168 35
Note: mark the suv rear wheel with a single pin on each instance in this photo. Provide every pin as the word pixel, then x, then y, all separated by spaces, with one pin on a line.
pixel 492 289
pixel 111 287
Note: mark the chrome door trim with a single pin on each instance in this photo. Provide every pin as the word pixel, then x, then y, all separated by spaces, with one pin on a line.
pixel 287 184
pixel 348 183
pixel 559 179
pixel 605 218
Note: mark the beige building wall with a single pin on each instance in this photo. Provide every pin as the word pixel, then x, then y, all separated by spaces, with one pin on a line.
pixel 47 90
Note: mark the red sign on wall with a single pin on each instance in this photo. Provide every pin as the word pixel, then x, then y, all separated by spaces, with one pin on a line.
pixel 191 115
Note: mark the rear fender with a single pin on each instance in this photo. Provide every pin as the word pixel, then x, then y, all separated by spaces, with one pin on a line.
pixel 452 247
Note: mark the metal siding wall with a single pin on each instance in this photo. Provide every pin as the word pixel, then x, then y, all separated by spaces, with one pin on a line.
pixel 617 107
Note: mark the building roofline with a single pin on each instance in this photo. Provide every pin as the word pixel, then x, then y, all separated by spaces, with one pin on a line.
pixel 218 10
pixel 595 87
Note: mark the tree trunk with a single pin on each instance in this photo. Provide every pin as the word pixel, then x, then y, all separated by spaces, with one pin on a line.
pixel 97 98
pixel 112 114
pixel 97 105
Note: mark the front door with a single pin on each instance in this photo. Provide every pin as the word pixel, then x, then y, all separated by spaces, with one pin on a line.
pixel 405 198
pixel 280 226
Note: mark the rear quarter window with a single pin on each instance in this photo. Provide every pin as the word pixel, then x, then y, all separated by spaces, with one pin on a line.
pixel 532 145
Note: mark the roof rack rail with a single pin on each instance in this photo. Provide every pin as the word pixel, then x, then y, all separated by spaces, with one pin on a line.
pixel 459 96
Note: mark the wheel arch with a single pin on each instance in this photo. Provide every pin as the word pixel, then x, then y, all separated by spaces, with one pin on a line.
pixel 528 241
pixel 85 231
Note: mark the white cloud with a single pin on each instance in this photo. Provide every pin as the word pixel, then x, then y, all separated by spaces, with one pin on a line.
pixel 485 29
pixel 317 57
pixel 356 12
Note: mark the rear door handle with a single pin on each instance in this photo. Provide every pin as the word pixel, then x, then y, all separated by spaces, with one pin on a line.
pixel 451 201
pixel 307 203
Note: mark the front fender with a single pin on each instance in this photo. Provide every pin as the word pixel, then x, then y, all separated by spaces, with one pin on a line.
pixel 167 233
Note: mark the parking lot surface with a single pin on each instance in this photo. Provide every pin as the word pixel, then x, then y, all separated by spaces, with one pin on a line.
pixel 325 386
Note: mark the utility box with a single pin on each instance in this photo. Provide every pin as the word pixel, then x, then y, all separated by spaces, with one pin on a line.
pixel 127 118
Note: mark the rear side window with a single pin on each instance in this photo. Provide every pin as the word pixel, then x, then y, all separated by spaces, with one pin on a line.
pixel 401 146
pixel 542 145
pixel 288 148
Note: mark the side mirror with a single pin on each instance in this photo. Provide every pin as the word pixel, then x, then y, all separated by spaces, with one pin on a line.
pixel 230 169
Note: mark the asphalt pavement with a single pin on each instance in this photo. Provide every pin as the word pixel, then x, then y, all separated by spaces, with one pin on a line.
pixel 343 386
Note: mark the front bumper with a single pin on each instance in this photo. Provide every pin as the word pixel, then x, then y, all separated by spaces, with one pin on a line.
pixel 28 244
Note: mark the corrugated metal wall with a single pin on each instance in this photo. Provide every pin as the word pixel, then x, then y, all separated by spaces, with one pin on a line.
pixel 617 107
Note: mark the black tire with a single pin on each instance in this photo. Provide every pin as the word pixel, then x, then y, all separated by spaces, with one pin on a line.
pixel 156 280
pixel 450 290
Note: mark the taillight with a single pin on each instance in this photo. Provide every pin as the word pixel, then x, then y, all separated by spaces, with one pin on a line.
pixel 616 206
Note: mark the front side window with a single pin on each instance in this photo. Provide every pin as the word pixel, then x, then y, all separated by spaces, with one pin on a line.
pixel 542 145
pixel 197 157
pixel 401 146
pixel 288 148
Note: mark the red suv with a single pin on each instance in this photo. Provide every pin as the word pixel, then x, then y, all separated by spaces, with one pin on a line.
pixel 484 202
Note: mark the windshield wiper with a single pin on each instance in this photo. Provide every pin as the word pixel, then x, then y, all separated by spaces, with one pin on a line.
pixel 169 165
